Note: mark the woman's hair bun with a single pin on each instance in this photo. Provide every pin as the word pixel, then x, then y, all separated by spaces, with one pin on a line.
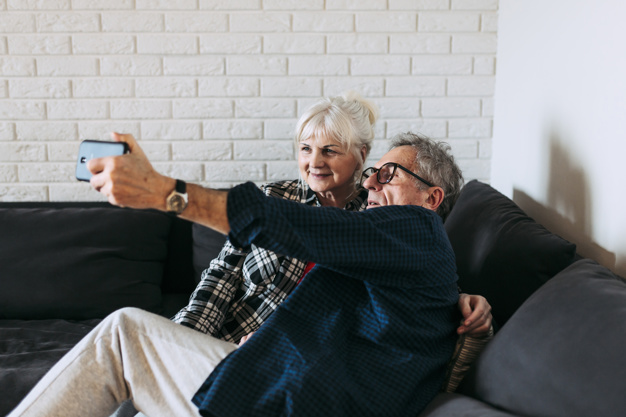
pixel 367 104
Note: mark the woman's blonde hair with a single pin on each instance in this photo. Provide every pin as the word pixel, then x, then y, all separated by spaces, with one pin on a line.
pixel 348 119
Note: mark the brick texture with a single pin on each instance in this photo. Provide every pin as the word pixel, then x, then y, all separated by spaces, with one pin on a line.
pixel 213 88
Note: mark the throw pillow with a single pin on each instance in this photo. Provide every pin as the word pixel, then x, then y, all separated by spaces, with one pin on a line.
pixel 501 253
pixel 467 349
pixel 80 263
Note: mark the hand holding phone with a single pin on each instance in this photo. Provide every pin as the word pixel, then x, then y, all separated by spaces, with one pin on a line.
pixel 90 149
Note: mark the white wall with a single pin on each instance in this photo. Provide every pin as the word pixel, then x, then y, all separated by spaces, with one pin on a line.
pixel 560 119
pixel 214 87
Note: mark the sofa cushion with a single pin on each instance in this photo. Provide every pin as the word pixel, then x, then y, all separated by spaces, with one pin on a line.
pixel 179 275
pixel 501 253
pixel 562 352
pixel 80 263
pixel 455 405
pixel 28 349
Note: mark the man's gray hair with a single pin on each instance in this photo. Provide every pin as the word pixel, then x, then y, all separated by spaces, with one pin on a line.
pixel 435 163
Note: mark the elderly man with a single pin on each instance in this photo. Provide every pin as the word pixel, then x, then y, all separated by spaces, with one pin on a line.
pixel 368 332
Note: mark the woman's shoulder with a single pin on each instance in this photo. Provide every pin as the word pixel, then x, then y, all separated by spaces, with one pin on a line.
pixel 359 202
pixel 288 189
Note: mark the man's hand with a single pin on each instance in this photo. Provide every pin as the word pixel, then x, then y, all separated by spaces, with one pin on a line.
pixel 476 313
pixel 130 180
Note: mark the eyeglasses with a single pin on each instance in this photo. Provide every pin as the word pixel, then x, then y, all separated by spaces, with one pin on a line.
pixel 385 173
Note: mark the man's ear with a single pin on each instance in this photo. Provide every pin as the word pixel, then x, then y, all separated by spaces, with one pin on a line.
pixel 434 199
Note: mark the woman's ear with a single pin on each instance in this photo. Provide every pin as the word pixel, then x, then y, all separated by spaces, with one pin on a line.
pixel 363 153
pixel 434 199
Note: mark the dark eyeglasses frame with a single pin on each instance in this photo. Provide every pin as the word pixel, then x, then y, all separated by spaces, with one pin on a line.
pixel 393 173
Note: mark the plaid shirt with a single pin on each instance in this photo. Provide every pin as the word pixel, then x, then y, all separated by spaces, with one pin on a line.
pixel 242 287
pixel 370 330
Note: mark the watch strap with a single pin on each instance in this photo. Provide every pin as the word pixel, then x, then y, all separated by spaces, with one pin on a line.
pixel 181 186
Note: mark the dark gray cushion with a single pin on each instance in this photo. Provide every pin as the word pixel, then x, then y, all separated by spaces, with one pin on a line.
pixel 455 405
pixel 562 352
pixel 80 263
pixel 501 253
pixel 28 349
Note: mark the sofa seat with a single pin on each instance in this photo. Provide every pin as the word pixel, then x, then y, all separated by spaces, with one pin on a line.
pixel 458 405
pixel 28 348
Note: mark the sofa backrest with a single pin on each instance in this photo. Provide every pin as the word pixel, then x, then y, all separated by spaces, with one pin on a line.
pixel 84 260
pixel 501 253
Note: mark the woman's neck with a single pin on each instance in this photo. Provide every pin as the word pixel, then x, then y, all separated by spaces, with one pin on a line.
pixel 337 198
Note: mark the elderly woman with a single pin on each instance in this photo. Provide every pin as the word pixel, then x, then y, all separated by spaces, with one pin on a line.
pixel 241 288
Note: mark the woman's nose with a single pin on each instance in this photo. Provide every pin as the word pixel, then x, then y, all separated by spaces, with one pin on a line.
pixel 317 159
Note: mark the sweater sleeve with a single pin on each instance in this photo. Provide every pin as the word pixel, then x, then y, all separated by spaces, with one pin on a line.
pixel 361 245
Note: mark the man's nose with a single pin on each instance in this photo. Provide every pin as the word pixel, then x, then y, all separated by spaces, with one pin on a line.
pixel 371 183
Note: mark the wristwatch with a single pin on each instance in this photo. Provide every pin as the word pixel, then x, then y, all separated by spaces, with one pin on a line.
pixel 176 201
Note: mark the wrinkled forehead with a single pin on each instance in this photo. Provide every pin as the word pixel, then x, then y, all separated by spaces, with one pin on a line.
pixel 403 155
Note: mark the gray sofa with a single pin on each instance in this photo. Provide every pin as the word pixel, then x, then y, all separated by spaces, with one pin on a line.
pixel 557 351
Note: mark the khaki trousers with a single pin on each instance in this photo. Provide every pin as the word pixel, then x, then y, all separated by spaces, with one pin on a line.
pixel 131 355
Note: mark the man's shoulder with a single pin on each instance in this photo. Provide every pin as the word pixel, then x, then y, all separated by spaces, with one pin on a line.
pixel 403 219
pixel 409 210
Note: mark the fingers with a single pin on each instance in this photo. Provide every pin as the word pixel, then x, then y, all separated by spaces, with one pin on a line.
pixel 130 140
pixel 96 165
pixel 245 338
pixel 106 172
pixel 480 323
pixel 465 305
pixel 476 313
pixel 100 168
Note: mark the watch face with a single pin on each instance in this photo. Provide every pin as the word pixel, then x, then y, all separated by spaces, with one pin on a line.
pixel 176 203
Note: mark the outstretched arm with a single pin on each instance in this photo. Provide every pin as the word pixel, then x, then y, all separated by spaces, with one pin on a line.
pixel 131 181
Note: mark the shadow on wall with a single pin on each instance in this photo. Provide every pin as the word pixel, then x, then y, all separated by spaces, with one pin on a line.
pixel 568 213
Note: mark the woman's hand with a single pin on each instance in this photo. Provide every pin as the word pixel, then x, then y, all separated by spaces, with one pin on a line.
pixel 245 338
pixel 476 313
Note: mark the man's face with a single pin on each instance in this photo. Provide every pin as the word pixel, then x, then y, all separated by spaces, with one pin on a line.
pixel 401 190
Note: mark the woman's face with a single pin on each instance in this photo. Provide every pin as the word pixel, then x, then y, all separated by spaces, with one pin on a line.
pixel 327 167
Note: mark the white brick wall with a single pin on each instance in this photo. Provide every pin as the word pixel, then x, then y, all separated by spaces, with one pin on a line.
pixel 213 88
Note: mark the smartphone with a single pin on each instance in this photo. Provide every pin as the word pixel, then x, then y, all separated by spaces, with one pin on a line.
pixel 90 149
